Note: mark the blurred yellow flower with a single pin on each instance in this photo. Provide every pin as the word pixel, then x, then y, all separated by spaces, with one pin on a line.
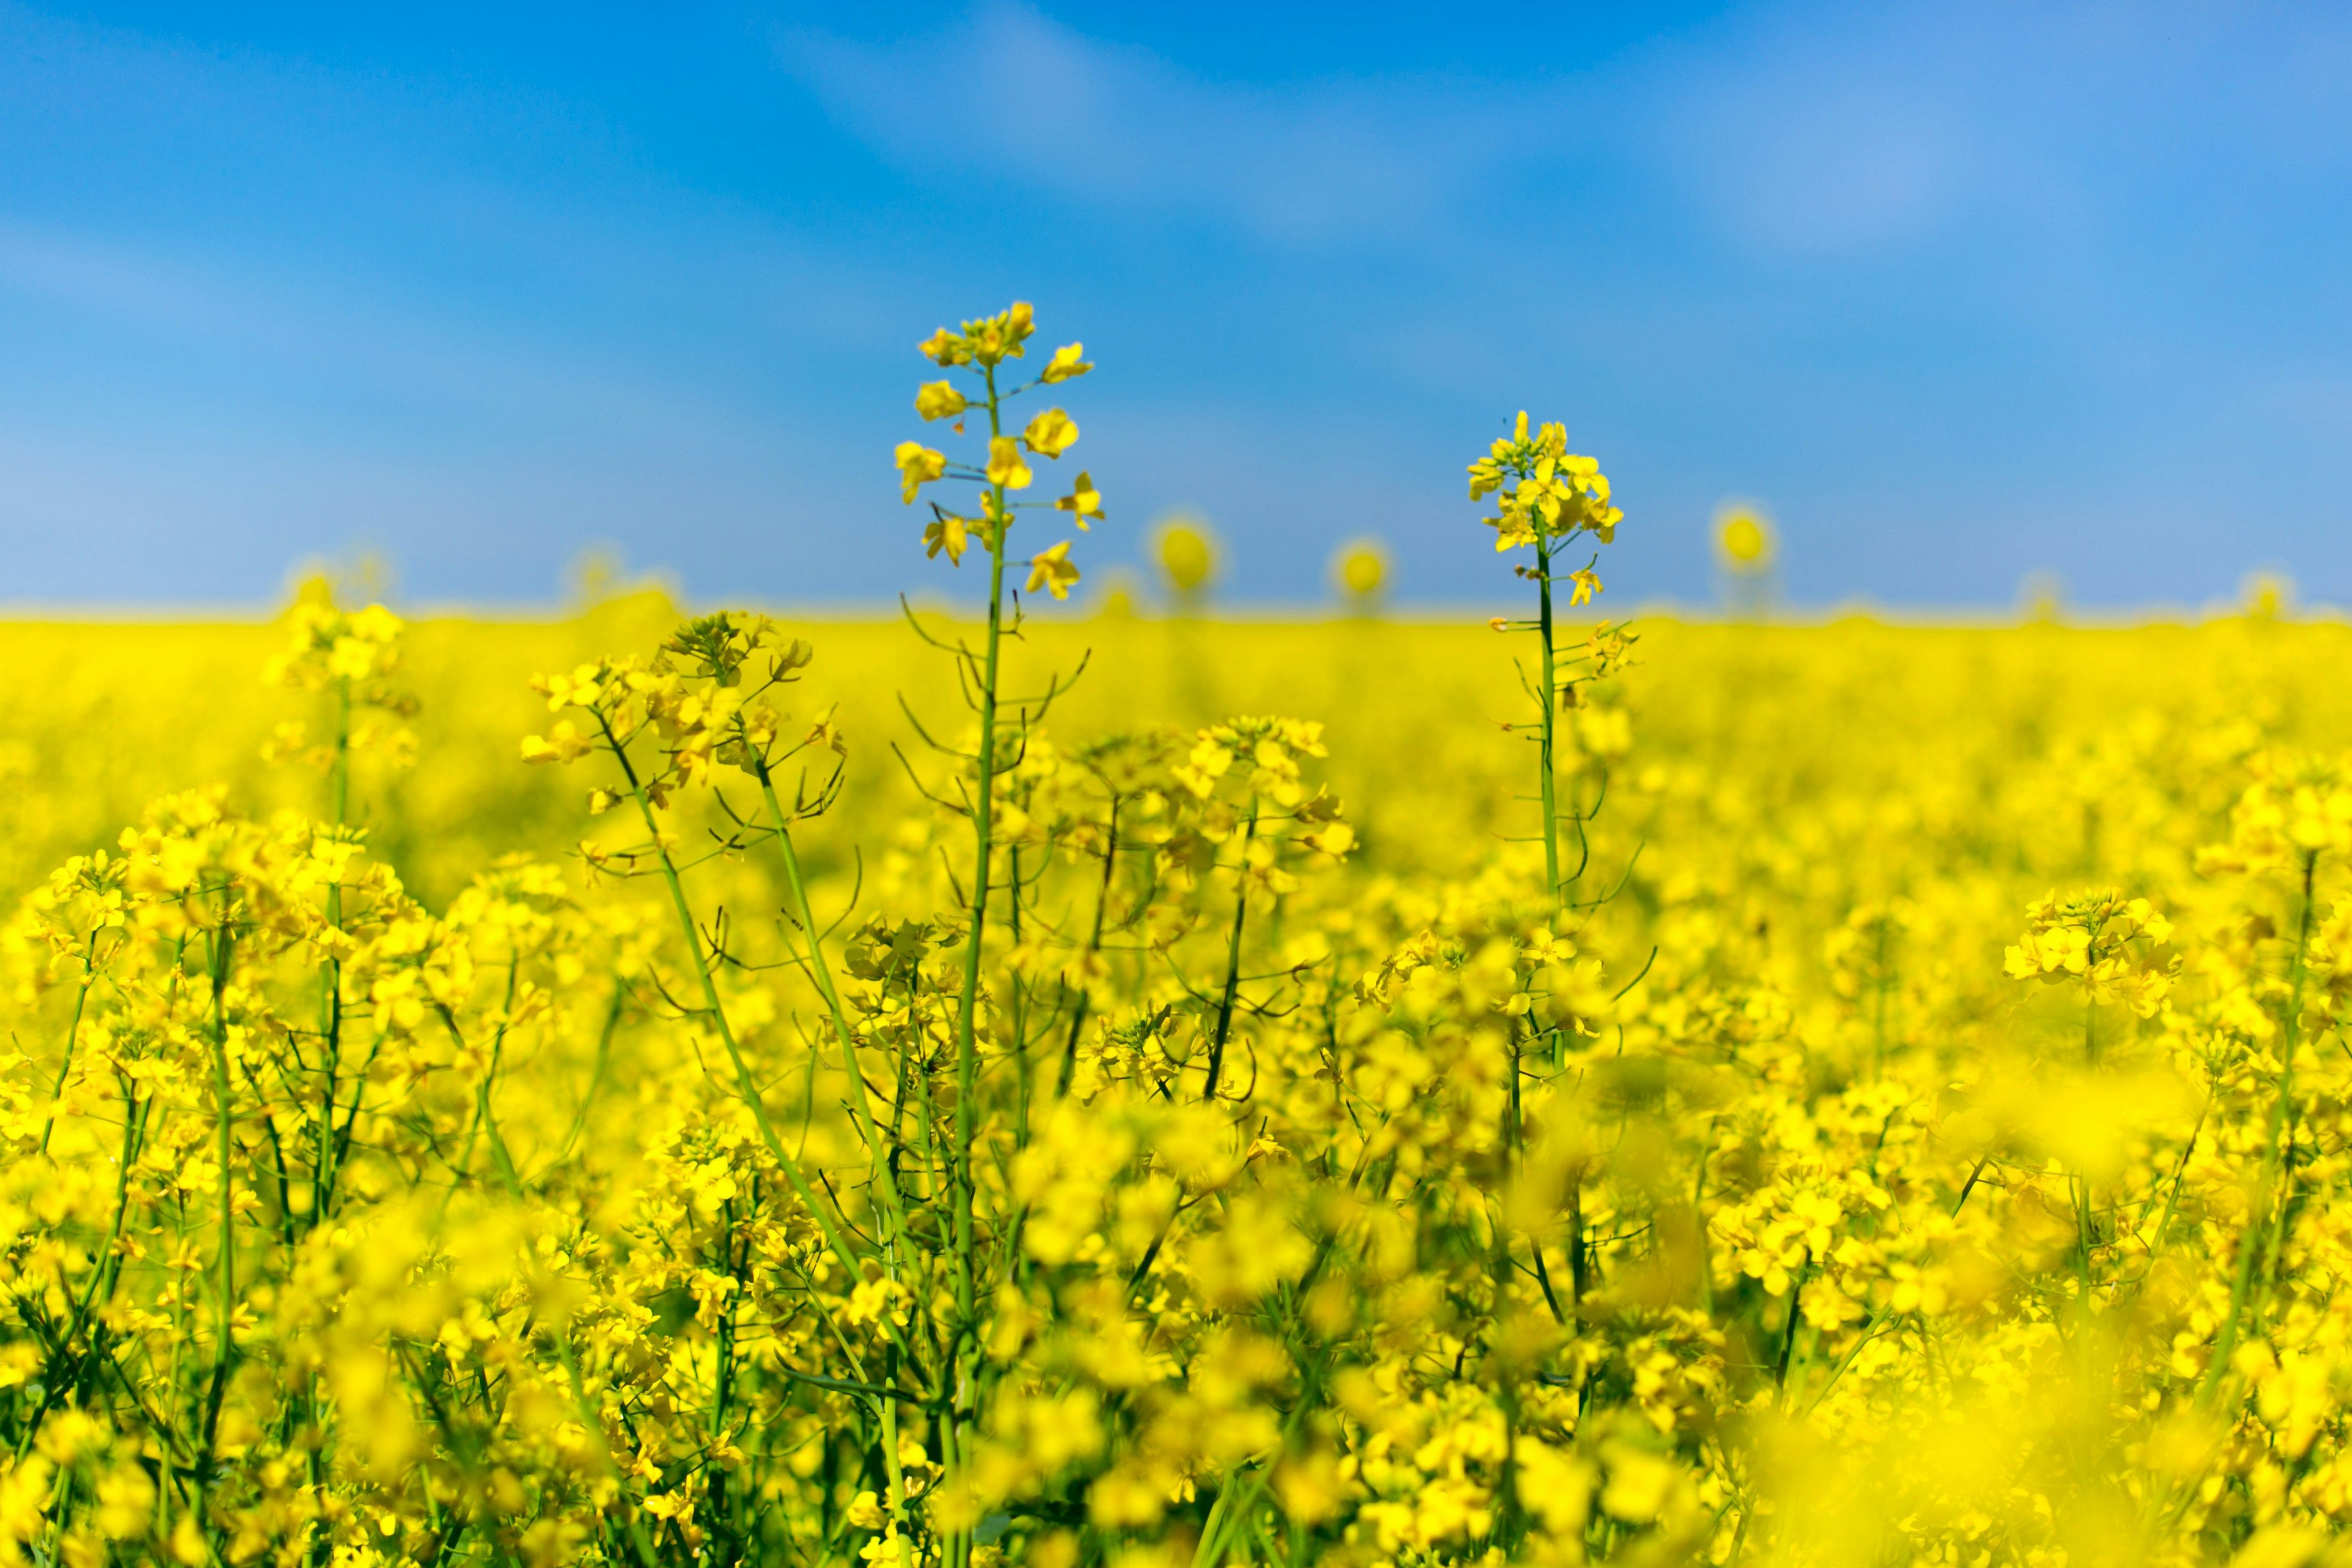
pixel 1051 433
pixel 1053 570
pixel 1084 502
pixel 1066 364
pixel 1186 552
pixel 918 466
pixel 1744 540
pixel 1005 465
pixel 1361 568
pixel 938 400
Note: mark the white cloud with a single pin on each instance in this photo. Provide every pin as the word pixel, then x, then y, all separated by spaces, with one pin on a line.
pixel 1807 136
pixel 344 337
pixel 1011 91
pixel 1824 167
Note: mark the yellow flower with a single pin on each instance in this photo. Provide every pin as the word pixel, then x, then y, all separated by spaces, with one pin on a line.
pixel 999 338
pixel 376 624
pixel 1053 570
pixel 1083 502
pixel 943 347
pixel 1362 568
pixel 1051 433
pixel 1743 538
pixel 938 400
pixel 1187 555
pixel 946 532
pixel 350 659
pixel 562 743
pixel 1545 491
pixel 918 466
pixel 1585 586
pixel 1065 365
pixel 126 1500
pixel 1005 465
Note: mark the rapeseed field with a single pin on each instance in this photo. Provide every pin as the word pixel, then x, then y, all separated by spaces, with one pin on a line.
pixel 1030 1087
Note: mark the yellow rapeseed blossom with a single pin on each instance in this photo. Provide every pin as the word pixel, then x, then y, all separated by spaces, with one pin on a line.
pixel 1051 569
pixel 1186 553
pixel 1360 568
pixel 1744 540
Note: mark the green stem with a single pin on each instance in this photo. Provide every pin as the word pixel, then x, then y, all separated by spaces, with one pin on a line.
pixel 225 1349
pixel 2294 1034
pixel 967 1046
pixel 331 973
pixel 748 1085
pixel 1550 699
pixel 860 1100
pixel 1233 960
pixel 2249 1249
pixel 1078 1013
pixel 73 1033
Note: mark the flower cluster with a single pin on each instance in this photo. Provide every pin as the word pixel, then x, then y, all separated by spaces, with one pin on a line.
pixel 1543 493
pixel 982 349
pixel 2103 940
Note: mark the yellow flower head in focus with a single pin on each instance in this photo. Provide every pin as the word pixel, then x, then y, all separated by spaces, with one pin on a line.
pixel 1544 492
pixel 2103 939
pixel 978 349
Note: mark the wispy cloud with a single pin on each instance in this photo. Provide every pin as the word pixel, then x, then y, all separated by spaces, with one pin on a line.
pixel 1802 140
pixel 246 322
pixel 1803 132
pixel 1841 162
pixel 1008 91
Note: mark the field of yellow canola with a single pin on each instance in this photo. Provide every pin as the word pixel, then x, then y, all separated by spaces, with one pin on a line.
pixel 636 1090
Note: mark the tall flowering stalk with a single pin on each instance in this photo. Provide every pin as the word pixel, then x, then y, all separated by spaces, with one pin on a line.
pixel 1545 496
pixel 982 351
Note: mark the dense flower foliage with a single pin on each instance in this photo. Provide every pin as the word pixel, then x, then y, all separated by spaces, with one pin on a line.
pixel 630 1090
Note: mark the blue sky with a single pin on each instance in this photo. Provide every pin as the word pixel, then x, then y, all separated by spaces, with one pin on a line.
pixel 1959 292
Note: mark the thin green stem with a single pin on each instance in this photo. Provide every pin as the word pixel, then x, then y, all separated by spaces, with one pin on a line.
pixel 861 1107
pixel 219 959
pixel 717 1012
pixel 1232 959
pixel 983 823
pixel 1549 695
pixel 73 1033
pixel 331 973
pixel 2251 1252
